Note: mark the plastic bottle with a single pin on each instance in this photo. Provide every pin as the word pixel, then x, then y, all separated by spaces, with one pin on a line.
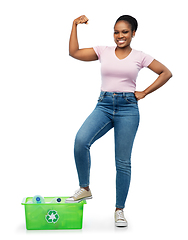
pixel 56 200
pixel 38 199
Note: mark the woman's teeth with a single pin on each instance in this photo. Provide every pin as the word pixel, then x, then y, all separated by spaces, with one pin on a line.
pixel 121 41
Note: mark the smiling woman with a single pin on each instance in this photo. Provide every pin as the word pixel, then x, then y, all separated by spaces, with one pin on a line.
pixel 123 35
pixel 124 30
pixel 117 105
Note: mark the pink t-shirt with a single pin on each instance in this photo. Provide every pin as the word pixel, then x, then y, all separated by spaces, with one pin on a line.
pixel 120 75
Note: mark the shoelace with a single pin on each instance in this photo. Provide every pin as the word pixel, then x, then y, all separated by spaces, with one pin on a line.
pixel 120 215
pixel 78 192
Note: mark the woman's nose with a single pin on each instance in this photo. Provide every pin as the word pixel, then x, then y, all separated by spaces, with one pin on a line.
pixel 120 35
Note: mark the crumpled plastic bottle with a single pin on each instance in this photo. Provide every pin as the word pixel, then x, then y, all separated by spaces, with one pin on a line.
pixel 38 199
pixel 56 200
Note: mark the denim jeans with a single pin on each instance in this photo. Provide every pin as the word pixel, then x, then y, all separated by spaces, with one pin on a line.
pixel 113 110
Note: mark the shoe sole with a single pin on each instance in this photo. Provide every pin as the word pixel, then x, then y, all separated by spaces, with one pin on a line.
pixel 121 224
pixel 77 201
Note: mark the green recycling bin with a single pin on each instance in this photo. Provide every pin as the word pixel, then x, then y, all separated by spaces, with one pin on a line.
pixel 51 216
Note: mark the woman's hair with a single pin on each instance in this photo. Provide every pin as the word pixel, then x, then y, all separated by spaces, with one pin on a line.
pixel 131 20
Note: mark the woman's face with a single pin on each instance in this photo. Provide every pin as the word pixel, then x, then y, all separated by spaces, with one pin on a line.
pixel 123 34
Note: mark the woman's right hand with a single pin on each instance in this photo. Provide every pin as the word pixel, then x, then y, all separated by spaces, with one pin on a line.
pixel 80 20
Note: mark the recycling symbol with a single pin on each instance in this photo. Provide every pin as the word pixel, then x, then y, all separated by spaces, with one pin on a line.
pixel 52 216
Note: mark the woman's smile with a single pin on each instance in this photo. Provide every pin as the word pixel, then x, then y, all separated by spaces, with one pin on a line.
pixel 121 41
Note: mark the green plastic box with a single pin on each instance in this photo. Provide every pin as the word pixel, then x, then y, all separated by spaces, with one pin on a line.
pixel 51 216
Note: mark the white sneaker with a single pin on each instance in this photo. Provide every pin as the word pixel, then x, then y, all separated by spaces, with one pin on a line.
pixel 120 220
pixel 80 194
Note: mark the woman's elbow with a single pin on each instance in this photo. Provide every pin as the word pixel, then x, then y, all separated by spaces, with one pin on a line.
pixel 169 74
pixel 71 54
pixel 74 54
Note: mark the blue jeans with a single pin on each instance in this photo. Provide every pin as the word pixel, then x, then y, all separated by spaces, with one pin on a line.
pixel 113 110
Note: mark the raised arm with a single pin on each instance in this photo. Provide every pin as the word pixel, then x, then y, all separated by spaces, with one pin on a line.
pixel 85 54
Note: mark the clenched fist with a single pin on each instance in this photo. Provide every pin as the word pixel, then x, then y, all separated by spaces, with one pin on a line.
pixel 139 95
pixel 80 20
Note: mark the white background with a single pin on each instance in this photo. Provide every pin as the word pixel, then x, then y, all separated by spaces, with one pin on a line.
pixel 45 96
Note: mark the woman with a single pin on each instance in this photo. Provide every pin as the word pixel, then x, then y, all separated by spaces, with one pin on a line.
pixel 117 105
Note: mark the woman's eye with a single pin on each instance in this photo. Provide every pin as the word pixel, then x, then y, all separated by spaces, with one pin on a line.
pixel 124 32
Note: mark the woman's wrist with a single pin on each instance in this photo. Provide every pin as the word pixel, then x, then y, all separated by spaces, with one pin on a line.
pixel 75 23
pixel 145 92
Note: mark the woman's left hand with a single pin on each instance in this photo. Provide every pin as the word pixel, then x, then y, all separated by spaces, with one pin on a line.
pixel 139 95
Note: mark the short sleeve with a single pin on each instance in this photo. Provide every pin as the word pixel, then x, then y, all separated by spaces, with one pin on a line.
pixel 99 50
pixel 146 59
